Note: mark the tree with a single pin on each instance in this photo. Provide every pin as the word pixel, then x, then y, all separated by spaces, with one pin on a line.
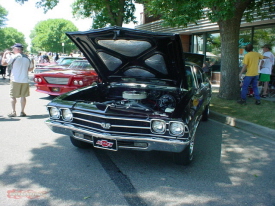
pixel 50 35
pixel 10 36
pixel 103 13
pixel 108 12
pixel 3 16
pixel 228 15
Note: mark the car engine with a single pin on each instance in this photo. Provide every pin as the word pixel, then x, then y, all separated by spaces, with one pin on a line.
pixel 153 101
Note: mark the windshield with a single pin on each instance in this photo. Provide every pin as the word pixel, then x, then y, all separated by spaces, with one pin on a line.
pixel 66 61
pixel 80 65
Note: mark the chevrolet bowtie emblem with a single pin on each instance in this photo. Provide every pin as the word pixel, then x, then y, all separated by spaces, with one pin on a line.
pixel 106 125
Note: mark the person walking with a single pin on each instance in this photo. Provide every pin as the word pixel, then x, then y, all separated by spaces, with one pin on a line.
pixel 19 79
pixel 266 68
pixel 250 66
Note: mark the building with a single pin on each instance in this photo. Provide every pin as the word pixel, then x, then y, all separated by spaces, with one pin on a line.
pixel 204 37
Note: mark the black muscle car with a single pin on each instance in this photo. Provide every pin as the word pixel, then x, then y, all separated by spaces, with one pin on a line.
pixel 149 96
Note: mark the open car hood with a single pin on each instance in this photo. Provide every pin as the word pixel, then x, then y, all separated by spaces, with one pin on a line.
pixel 123 52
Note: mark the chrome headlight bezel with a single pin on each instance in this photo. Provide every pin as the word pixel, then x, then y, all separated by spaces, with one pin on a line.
pixel 158 126
pixel 54 112
pixel 67 114
pixel 176 128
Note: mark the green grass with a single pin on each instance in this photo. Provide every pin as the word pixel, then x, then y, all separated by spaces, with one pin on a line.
pixel 263 114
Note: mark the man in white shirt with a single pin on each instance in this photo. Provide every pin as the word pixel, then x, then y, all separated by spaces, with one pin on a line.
pixel 19 78
pixel 266 68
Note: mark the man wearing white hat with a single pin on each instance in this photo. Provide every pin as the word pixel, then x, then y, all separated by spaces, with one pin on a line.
pixel 21 65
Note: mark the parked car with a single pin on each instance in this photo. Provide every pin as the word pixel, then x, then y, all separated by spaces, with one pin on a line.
pixel 149 97
pixel 55 82
pixel 61 63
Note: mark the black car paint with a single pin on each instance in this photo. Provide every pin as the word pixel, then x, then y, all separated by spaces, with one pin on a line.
pixel 105 100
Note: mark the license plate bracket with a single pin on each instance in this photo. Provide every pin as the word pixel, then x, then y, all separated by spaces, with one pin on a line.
pixel 55 89
pixel 105 143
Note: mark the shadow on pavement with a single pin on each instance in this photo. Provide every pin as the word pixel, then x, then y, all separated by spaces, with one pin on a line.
pixel 6 118
pixel 73 176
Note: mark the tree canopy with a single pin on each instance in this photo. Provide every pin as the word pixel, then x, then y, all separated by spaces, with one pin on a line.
pixel 10 36
pixel 50 35
pixel 103 13
pixel 3 16
pixel 228 15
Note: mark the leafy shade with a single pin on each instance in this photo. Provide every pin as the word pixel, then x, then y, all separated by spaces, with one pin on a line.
pixel 10 36
pixel 50 35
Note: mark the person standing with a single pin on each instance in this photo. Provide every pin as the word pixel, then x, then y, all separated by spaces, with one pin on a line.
pixel 266 68
pixel 2 68
pixel 56 57
pixel 250 66
pixel 19 79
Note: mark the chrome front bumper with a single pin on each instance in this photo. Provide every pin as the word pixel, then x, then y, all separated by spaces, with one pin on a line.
pixel 153 143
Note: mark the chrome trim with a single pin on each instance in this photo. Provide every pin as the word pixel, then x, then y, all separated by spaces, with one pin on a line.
pixel 57 80
pixel 114 132
pixel 159 120
pixel 61 110
pixel 49 110
pixel 123 126
pixel 154 143
pixel 184 127
pixel 109 117
pixel 121 147
pixel 143 86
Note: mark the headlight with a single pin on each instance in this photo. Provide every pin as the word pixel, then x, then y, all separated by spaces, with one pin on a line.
pixel 176 128
pixel 75 82
pixel 80 82
pixel 67 115
pixel 36 79
pixel 158 126
pixel 54 113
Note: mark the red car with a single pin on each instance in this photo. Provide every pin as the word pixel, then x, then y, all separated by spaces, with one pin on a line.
pixel 55 82
pixel 61 63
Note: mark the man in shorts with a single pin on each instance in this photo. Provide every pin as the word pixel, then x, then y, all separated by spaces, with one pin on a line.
pixel 19 78
pixel 266 68
pixel 250 66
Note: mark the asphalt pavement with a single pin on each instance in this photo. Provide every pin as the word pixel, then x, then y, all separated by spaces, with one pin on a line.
pixel 230 167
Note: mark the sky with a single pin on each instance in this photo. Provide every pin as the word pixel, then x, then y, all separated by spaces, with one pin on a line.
pixel 25 17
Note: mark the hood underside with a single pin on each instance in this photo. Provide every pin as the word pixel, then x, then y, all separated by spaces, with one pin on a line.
pixel 123 52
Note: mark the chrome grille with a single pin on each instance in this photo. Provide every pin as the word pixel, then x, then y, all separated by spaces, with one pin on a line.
pixel 57 80
pixel 129 126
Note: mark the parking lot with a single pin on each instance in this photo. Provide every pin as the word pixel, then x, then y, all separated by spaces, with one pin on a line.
pixel 39 167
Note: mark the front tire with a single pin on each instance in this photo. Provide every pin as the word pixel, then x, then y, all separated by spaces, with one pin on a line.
pixel 80 144
pixel 186 156
pixel 205 113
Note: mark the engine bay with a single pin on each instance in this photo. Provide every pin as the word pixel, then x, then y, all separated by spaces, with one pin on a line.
pixel 145 100
pixel 135 98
